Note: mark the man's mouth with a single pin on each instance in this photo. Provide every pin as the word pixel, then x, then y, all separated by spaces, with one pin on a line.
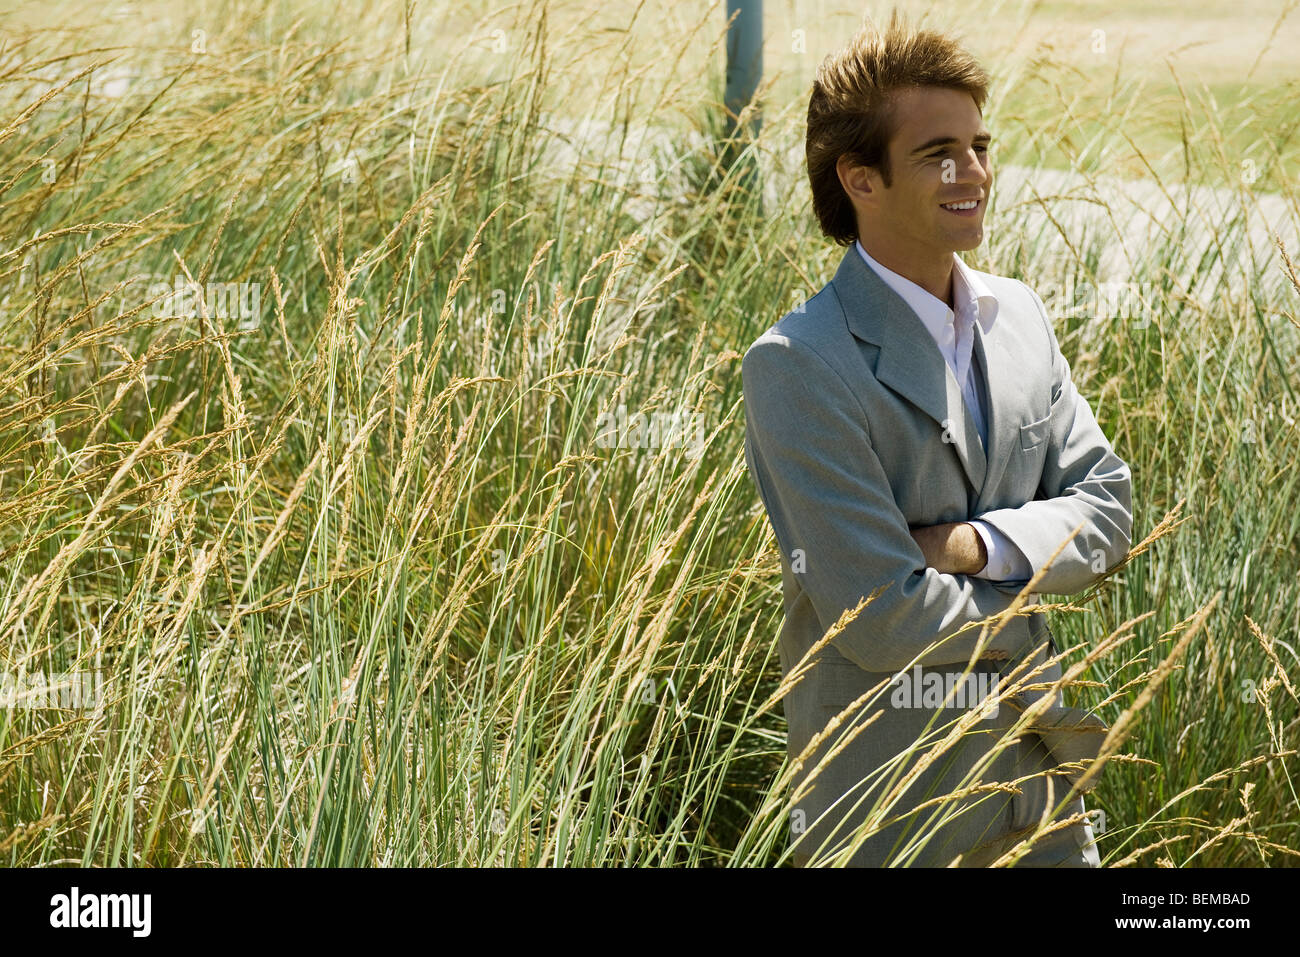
pixel 969 207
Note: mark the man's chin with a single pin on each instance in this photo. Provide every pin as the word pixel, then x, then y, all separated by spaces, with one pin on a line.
pixel 967 241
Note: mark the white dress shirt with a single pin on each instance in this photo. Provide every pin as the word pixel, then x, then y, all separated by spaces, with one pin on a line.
pixel 954 334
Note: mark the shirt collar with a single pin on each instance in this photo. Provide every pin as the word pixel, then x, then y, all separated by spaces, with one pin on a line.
pixel 968 290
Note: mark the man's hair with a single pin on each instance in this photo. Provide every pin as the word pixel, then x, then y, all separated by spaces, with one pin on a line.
pixel 851 109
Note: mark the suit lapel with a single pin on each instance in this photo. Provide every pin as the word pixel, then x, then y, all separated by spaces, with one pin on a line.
pixel 910 362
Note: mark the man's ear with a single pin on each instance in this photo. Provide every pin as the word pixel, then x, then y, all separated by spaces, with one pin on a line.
pixel 861 183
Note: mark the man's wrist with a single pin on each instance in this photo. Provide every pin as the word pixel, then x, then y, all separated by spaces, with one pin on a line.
pixel 953 547
pixel 979 556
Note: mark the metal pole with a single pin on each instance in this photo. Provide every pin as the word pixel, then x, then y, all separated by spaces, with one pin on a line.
pixel 744 70
pixel 744 57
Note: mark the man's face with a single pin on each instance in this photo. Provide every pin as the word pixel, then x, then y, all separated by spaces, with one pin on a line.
pixel 938 156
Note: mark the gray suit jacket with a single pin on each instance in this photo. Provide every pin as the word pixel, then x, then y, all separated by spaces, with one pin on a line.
pixel 856 429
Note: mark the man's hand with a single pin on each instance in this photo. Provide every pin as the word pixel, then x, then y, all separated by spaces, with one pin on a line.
pixel 954 548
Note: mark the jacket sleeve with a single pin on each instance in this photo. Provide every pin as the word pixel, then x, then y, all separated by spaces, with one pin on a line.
pixel 840 531
pixel 1083 482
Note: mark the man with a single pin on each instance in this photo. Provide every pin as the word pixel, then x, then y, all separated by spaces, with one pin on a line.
pixel 913 429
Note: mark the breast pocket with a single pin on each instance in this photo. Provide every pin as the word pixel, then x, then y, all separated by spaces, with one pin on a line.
pixel 1033 434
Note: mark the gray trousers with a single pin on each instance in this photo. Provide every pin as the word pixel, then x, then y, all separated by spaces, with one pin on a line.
pixel 1016 817
pixel 1071 846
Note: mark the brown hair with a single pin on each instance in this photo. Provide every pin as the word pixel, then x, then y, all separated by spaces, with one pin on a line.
pixel 851 107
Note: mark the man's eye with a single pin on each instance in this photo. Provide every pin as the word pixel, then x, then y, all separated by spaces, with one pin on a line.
pixel 979 148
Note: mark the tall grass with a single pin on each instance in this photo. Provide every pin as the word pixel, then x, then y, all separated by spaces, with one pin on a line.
pixel 365 579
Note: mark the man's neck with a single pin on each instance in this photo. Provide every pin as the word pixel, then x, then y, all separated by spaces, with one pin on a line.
pixel 933 274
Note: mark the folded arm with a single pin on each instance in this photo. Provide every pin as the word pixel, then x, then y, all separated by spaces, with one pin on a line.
pixel 974 548
pixel 1083 483
pixel 953 547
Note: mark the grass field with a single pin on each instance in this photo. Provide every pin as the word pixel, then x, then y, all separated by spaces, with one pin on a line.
pixel 342 537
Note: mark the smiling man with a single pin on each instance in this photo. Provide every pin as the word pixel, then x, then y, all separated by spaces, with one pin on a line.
pixel 914 433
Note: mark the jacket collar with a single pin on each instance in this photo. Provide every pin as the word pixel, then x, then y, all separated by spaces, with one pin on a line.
pixel 911 364
pixel 967 288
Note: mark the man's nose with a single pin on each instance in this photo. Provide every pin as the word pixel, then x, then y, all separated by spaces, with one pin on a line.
pixel 973 171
